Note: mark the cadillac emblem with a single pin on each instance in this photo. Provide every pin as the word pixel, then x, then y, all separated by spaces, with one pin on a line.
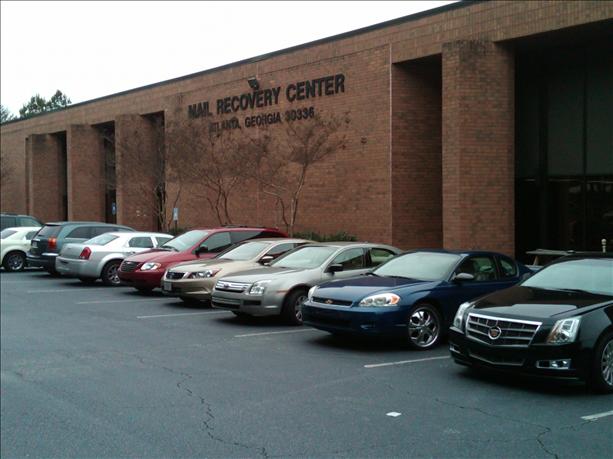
pixel 494 332
pixel 329 301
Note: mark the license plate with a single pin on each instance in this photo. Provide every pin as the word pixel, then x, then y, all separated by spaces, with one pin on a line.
pixel 167 287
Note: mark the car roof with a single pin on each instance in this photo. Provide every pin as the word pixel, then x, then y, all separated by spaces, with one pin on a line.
pixel 340 244
pixel 85 223
pixel 138 233
pixel 459 252
pixel 235 228
pixel 280 240
pixel 25 229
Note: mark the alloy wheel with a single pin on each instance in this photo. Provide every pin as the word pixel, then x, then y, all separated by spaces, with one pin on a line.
pixel 15 262
pixel 298 307
pixel 424 327
pixel 606 363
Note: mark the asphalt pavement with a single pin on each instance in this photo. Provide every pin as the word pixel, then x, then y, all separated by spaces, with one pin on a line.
pixel 93 371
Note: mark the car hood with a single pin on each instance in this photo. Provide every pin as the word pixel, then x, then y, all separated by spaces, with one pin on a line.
pixel 530 302
pixel 161 256
pixel 226 265
pixel 359 287
pixel 266 273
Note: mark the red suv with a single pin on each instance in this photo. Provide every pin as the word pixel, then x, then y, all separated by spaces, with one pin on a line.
pixel 145 270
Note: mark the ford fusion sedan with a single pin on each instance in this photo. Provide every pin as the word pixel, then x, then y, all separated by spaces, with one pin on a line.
pixel 101 256
pixel 414 296
pixel 14 244
pixel 558 323
pixel 281 288
pixel 144 271
pixel 195 280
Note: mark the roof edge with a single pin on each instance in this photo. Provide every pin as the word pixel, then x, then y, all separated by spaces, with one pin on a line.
pixel 392 22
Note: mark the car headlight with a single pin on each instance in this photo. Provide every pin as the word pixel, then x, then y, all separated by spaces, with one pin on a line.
pixel 150 266
pixel 381 299
pixel 564 331
pixel 311 292
pixel 458 320
pixel 258 288
pixel 203 274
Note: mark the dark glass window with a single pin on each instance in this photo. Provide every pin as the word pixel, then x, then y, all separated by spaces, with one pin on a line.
pixel 82 232
pixel 218 242
pixel 508 268
pixel 281 249
pixel 482 268
pixel 141 242
pixel 379 256
pixel 350 259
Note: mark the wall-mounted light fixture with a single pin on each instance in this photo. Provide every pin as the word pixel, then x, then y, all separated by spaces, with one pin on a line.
pixel 253 83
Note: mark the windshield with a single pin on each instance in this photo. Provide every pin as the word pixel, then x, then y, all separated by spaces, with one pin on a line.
pixel 103 239
pixel 590 275
pixel 185 241
pixel 6 233
pixel 246 251
pixel 427 266
pixel 305 257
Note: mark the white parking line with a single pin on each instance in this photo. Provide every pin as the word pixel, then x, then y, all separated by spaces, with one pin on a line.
pixel 403 362
pixel 124 301
pixel 593 417
pixel 182 314
pixel 276 332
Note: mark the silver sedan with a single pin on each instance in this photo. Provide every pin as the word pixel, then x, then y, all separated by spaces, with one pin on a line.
pixel 101 256
pixel 282 287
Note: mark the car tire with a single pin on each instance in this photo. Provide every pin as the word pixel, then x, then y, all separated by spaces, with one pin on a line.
pixel 110 273
pixel 601 377
pixel 424 326
pixel 88 280
pixel 14 261
pixel 292 306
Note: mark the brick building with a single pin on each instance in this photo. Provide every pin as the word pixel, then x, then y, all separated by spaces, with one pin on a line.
pixel 475 125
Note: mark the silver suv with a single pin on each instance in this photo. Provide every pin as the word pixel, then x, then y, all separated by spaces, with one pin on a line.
pixel 282 287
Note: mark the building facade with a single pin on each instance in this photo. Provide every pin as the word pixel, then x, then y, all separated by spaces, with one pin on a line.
pixel 476 125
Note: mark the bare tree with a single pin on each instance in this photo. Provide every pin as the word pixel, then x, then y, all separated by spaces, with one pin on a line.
pixel 281 165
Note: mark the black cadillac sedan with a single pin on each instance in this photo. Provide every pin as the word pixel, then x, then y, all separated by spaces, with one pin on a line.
pixel 558 323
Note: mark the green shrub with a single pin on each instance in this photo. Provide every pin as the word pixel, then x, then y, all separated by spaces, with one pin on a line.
pixel 313 236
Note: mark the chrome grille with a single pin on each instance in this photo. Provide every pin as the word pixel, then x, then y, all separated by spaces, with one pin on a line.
pixel 224 286
pixel 173 275
pixel 496 331
pixel 331 301
pixel 128 266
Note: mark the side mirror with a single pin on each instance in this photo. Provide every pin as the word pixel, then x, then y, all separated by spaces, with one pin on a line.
pixel 202 249
pixel 335 268
pixel 266 259
pixel 463 277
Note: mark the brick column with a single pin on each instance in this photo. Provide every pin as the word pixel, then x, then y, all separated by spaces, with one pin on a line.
pixel 138 143
pixel 46 179
pixel 478 147
pixel 86 174
pixel 416 155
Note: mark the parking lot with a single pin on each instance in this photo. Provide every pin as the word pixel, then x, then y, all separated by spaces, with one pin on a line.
pixel 93 371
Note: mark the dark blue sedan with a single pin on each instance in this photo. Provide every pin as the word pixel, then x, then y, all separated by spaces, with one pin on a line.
pixel 414 295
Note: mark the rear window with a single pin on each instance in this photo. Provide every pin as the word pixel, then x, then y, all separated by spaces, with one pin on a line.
pixel 50 231
pixel 6 233
pixel 103 239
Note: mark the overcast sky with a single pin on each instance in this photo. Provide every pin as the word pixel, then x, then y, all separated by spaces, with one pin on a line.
pixel 92 49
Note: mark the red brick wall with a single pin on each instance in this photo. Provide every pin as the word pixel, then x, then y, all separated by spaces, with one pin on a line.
pixel 46 186
pixel 86 174
pixel 478 147
pixel 416 154
pixel 137 143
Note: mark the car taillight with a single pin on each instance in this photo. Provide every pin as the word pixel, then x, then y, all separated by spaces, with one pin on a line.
pixel 85 253
pixel 52 243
